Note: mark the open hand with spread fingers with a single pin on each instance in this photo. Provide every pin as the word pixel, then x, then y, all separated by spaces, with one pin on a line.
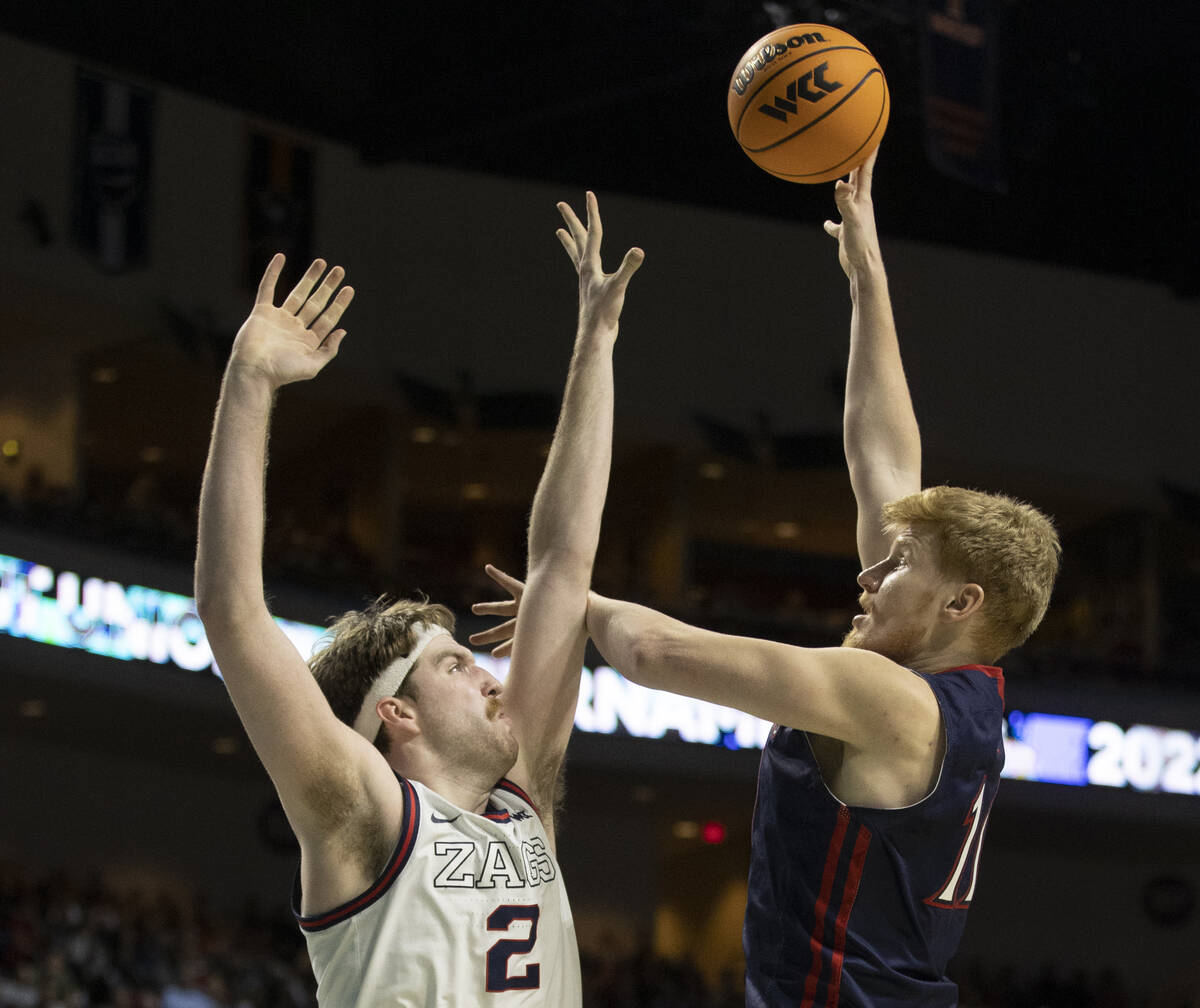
pixel 294 341
pixel 601 295
pixel 501 635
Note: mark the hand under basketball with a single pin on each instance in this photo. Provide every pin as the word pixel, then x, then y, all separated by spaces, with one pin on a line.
pixel 858 242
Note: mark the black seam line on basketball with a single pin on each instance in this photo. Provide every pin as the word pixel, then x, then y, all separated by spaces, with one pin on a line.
pixel 849 157
pixel 783 69
pixel 824 115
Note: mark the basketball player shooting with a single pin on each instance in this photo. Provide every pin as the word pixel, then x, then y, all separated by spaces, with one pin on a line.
pixel 876 782
pixel 421 790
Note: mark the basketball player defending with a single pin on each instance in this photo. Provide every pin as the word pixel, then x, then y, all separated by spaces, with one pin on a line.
pixel 422 791
pixel 876 782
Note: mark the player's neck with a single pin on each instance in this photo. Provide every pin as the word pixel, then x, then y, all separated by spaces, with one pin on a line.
pixel 954 655
pixel 467 790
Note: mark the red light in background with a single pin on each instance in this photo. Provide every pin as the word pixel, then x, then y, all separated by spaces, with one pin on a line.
pixel 713 832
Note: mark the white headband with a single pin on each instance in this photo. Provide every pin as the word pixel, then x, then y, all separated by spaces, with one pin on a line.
pixel 391 679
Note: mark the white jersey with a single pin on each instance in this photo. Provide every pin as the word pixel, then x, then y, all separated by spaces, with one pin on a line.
pixel 470 910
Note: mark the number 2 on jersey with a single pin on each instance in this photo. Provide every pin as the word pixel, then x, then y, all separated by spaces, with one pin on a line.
pixel 497 958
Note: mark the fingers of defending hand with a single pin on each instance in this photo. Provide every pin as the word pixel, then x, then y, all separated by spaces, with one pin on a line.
pixel 576 230
pixel 505 607
pixel 332 343
pixel 630 265
pixel 270 277
pixel 295 300
pixel 329 318
pixel 595 229
pixel 568 243
pixel 498 634
pixel 834 230
pixel 319 298
pixel 506 581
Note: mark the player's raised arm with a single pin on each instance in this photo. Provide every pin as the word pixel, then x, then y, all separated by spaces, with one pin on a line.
pixel 543 683
pixel 882 441
pixel 300 741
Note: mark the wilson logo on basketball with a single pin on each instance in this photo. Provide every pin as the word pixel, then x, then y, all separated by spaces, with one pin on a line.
pixel 766 54
pixel 811 86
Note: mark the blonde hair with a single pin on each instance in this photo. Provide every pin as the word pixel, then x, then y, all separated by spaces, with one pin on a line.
pixel 362 643
pixel 1007 547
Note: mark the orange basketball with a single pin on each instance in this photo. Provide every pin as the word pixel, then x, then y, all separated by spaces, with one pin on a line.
pixel 808 103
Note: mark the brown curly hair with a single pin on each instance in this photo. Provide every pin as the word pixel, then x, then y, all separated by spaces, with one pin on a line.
pixel 360 644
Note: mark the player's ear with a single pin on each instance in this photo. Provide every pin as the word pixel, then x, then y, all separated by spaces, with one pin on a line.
pixel 399 715
pixel 966 601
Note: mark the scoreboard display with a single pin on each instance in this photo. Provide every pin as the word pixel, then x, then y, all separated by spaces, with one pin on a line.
pixel 148 626
pixel 1061 749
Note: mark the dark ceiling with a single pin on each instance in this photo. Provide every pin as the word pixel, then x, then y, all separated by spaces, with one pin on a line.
pixel 1097 103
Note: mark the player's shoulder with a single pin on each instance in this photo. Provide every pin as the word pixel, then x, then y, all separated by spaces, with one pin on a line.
pixel 984 682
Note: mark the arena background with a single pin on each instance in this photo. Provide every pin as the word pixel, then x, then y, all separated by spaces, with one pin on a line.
pixel 1046 300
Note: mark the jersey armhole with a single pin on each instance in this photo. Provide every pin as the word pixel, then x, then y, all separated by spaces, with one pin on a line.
pixel 944 729
pixel 409 828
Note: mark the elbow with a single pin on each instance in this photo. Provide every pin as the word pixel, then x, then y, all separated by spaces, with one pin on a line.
pixel 204 596
pixel 565 567
pixel 650 654
pixel 210 599
pixel 216 605
pixel 209 608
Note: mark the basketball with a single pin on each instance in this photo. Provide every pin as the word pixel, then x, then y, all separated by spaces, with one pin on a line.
pixel 808 103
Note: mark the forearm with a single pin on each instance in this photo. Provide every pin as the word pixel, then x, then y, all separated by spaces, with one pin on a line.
pixel 229 552
pixel 644 645
pixel 564 526
pixel 880 427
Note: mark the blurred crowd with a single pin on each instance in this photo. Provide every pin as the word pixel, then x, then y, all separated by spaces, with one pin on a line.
pixel 69 942
pixel 1116 623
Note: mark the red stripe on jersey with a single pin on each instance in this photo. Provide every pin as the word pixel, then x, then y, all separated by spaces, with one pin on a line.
pixel 403 848
pixel 832 856
pixel 849 894
pixel 993 672
pixel 506 785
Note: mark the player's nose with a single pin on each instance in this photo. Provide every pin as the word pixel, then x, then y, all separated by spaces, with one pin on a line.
pixel 868 580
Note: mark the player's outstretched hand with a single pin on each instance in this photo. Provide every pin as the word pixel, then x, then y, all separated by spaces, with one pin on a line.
pixel 294 341
pixel 500 635
pixel 858 242
pixel 601 295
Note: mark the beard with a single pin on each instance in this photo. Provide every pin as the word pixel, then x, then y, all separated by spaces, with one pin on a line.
pixel 494 752
pixel 898 639
pixel 854 639
pixel 899 644
pixel 489 748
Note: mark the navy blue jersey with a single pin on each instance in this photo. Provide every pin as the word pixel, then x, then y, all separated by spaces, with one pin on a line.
pixel 864 907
